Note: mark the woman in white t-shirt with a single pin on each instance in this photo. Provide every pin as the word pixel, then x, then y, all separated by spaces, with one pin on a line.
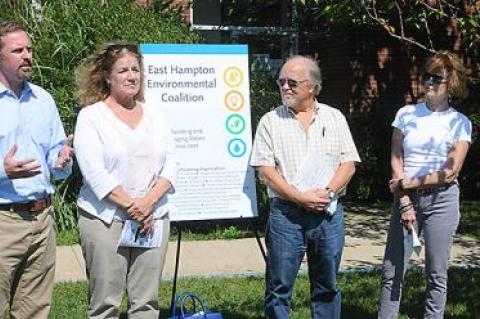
pixel 429 143
pixel 124 152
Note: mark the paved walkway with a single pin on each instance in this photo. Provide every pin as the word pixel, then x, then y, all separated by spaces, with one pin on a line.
pixel 365 242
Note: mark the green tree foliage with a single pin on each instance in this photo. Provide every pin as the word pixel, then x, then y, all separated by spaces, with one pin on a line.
pixel 414 21
pixel 66 31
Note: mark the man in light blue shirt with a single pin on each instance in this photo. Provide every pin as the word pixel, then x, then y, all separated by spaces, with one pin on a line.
pixel 33 149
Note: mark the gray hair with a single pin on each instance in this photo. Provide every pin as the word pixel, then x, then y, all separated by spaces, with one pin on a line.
pixel 314 71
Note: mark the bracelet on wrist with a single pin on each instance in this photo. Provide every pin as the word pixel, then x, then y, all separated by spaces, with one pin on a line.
pixel 405 207
pixel 401 206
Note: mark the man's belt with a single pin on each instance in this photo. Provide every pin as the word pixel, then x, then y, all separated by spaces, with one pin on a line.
pixel 34 206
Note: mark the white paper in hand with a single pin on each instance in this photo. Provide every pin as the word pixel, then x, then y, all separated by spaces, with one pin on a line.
pixel 131 236
pixel 332 207
pixel 316 171
pixel 414 241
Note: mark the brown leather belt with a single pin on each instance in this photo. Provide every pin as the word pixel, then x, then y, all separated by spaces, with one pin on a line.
pixel 428 191
pixel 34 206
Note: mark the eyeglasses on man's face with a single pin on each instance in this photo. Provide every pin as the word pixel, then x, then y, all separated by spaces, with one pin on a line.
pixel 434 79
pixel 291 82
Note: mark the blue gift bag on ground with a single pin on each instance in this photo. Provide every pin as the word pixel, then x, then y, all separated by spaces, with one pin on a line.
pixel 182 298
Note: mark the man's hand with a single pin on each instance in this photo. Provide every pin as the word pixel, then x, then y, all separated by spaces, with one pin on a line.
pixel 20 169
pixel 65 154
pixel 314 199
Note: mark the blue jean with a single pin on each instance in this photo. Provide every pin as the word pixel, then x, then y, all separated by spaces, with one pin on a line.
pixel 292 231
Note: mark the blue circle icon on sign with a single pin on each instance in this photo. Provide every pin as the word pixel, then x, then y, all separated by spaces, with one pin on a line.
pixel 237 147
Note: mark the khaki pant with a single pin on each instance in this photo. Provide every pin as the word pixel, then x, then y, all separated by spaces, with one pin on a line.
pixel 27 263
pixel 111 269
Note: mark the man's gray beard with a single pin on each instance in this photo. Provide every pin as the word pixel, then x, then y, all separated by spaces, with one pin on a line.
pixel 289 103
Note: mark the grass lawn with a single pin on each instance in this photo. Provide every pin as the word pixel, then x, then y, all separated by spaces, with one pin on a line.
pixel 242 298
pixel 470 219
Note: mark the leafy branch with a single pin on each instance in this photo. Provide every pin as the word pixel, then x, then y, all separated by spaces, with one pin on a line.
pixel 410 21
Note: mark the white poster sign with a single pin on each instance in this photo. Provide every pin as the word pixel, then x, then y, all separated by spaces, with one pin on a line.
pixel 204 92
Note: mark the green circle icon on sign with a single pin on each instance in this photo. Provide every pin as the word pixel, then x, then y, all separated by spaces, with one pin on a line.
pixel 235 124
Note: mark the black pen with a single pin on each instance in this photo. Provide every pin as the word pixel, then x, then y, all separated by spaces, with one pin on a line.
pixel 323 131
pixel 137 234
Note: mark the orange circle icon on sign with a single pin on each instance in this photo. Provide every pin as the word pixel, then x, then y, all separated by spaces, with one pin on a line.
pixel 234 100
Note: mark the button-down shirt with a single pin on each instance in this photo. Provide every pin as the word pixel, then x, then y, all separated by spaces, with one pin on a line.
pixel 32 122
pixel 281 141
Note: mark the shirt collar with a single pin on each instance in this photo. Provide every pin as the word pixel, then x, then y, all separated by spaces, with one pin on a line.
pixel 290 111
pixel 3 89
pixel 26 89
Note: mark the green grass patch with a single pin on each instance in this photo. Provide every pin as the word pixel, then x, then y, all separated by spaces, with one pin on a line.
pixel 242 298
pixel 68 237
pixel 470 219
pixel 218 232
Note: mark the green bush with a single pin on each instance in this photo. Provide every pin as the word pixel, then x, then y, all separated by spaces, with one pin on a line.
pixel 66 31
pixel 264 98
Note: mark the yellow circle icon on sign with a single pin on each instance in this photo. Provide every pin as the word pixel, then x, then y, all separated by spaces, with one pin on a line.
pixel 233 76
pixel 234 100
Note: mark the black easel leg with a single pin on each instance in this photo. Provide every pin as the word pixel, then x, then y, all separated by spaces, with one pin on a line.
pixel 257 236
pixel 177 262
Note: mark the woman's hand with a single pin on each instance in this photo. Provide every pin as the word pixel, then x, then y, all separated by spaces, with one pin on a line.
pixel 408 218
pixel 141 208
pixel 393 184
pixel 396 186
pixel 148 225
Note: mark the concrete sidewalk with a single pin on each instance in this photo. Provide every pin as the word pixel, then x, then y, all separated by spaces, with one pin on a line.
pixel 364 246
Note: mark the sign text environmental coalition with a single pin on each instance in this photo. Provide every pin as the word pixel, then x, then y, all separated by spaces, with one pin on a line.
pixel 209 83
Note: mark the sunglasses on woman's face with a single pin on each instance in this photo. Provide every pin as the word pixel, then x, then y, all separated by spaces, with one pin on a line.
pixel 291 83
pixel 434 79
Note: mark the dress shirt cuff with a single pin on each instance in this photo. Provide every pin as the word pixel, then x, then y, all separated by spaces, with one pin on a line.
pixel 262 162
pixel 58 173
pixel 3 174
pixel 62 173
pixel 350 158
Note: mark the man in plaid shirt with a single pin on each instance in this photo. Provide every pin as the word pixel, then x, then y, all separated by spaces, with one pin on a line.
pixel 303 220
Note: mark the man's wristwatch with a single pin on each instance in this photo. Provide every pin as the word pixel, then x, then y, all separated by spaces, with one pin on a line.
pixel 330 193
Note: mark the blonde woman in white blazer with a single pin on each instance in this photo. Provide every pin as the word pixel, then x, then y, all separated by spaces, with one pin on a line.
pixel 125 155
